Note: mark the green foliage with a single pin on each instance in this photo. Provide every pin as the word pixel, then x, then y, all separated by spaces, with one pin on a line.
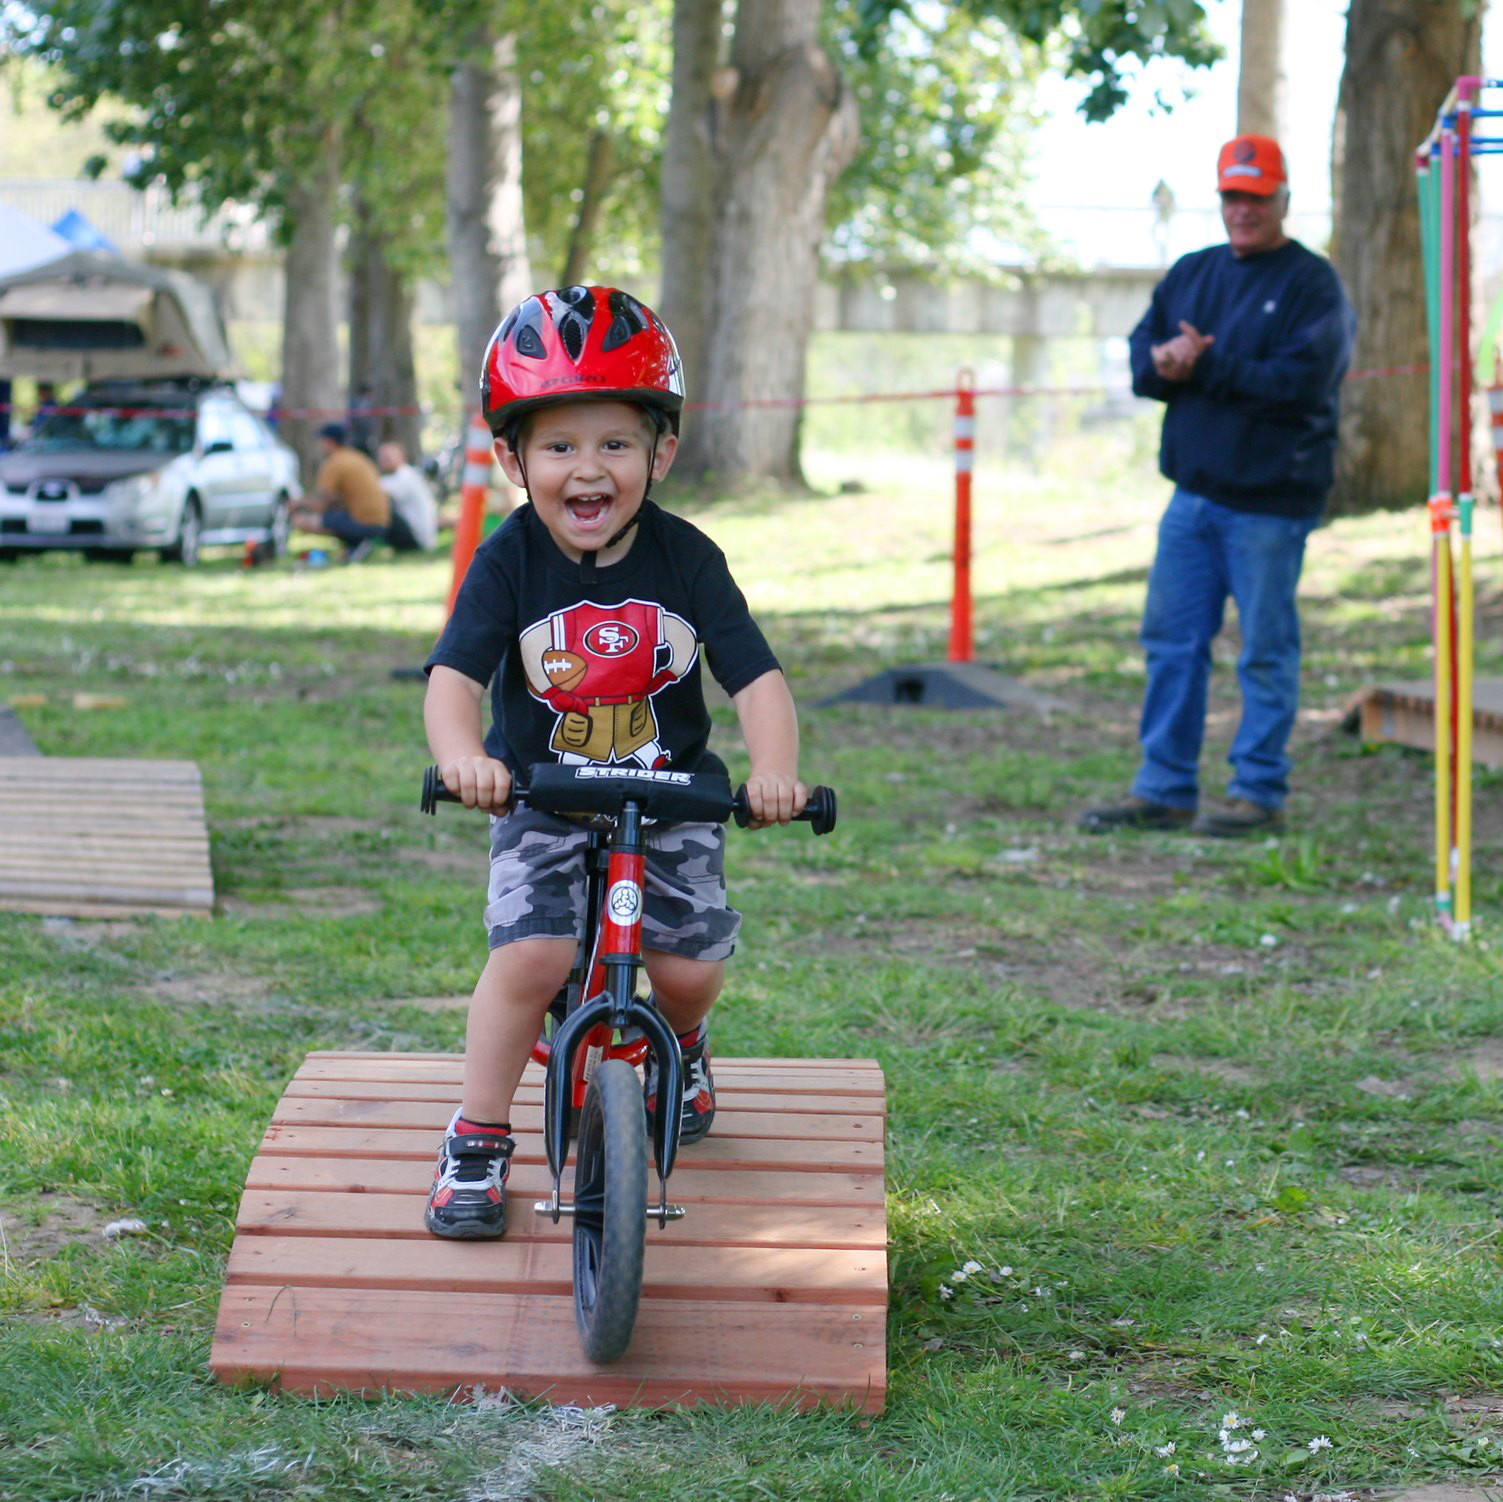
pixel 1102 39
pixel 942 168
pixel 602 66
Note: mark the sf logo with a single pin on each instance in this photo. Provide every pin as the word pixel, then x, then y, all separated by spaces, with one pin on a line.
pixel 610 639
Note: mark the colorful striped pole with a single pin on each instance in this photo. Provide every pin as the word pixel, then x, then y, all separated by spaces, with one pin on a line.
pixel 477 472
pixel 1441 581
pixel 1461 833
pixel 961 647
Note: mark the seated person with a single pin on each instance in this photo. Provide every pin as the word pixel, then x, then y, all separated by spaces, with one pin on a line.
pixel 414 512
pixel 347 501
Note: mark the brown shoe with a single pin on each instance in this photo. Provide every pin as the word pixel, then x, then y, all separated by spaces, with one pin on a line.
pixel 1237 818
pixel 1134 813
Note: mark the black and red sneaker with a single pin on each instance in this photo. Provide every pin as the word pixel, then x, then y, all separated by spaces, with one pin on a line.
pixel 697 1109
pixel 468 1198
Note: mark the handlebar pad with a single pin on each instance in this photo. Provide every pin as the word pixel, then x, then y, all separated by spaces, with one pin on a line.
pixel 687 797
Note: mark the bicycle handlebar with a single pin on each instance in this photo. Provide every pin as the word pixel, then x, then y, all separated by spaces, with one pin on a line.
pixel 669 795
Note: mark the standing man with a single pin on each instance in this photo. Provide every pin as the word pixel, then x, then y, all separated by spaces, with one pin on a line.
pixel 348 501
pixel 1246 344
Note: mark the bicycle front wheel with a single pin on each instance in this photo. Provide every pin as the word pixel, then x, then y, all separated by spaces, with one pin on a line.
pixel 610 1210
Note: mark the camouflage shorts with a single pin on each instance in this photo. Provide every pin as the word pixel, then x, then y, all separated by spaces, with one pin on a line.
pixel 537 885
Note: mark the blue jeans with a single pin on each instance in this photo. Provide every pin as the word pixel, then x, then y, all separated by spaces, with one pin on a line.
pixel 1206 552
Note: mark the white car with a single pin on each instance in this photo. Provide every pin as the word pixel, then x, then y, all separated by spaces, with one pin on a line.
pixel 173 466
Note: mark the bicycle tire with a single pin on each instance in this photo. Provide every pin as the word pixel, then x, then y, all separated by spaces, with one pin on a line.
pixel 610 1215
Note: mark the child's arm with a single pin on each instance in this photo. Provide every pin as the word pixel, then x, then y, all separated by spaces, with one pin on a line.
pixel 769 726
pixel 451 714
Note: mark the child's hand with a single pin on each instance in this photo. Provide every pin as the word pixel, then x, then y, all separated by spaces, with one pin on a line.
pixel 774 798
pixel 479 782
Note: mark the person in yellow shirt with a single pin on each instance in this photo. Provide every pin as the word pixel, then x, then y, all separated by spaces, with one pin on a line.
pixel 348 501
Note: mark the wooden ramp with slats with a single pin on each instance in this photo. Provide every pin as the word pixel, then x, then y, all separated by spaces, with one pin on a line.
pixel 89 837
pixel 773 1288
pixel 1403 714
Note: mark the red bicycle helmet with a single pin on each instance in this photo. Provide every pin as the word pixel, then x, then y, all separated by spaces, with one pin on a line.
pixel 580 344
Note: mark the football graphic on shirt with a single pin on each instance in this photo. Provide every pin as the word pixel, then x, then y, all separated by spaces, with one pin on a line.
pixel 564 669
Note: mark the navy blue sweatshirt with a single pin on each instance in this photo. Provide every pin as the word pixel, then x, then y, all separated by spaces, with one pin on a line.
pixel 1255 425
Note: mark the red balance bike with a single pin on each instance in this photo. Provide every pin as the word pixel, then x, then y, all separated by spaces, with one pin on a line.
pixel 599 1030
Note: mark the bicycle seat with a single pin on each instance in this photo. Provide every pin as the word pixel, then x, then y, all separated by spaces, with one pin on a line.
pixel 697 797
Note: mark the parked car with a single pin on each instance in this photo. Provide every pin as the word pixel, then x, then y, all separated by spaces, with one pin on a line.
pixel 175 466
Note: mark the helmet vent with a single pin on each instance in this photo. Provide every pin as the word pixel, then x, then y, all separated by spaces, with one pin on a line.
pixel 528 339
pixel 629 318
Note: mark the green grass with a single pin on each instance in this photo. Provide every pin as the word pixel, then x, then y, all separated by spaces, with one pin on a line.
pixel 1215 1128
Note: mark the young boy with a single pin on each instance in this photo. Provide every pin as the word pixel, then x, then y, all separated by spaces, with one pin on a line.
pixel 588 613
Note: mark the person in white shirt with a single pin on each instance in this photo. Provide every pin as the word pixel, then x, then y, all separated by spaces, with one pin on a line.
pixel 414 512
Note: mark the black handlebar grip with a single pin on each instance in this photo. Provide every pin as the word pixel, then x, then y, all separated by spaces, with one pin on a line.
pixel 434 791
pixel 819 811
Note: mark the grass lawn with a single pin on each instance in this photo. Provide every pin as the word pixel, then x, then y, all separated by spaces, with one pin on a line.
pixel 1194 1165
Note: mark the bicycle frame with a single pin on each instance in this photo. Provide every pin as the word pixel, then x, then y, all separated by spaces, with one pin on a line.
pixel 610 955
pixel 600 998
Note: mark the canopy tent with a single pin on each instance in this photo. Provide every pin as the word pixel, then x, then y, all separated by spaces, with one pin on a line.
pixel 82 234
pixel 24 243
pixel 92 316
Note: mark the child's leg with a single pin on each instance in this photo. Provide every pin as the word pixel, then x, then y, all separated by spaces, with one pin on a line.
pixel 468 1198
pixel 685 988
pixel 506 1015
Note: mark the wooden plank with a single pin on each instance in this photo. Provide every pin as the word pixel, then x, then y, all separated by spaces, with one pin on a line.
pixel 713 1152
pixel 78 907
pixel 531 1180
pixel 671 1270
pixel 821 1065
pixel 402 1114
pixel 96 837
pixel 289 1213
pixel 367 1068
pixel 71 768
pixel 731 1091
pixel 326 1340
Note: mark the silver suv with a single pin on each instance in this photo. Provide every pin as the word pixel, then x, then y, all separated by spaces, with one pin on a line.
pixel 173 466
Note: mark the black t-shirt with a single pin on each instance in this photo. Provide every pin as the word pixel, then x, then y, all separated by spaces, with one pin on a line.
pixel 601 665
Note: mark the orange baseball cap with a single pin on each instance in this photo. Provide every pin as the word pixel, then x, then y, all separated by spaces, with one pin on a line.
pixel 1251 164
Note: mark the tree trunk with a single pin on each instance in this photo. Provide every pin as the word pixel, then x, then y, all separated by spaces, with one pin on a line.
pixel 685 204
pixel 1402 56
pixel 599 164
pixel 1261 92
pixel 381 354
pixel 487 239
pixel 310 321
pixel 785 127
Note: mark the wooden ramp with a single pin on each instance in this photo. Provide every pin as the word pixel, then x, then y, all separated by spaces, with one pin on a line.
pixel 95 838
pixel 773 1288
pixel 1403 714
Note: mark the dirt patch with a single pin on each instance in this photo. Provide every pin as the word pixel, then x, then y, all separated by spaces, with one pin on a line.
pixel 50 1223
pixel 1223 1069
pixel 1445 1491
pixel 226 988
pixel 422 1003
pixel 319 902
pixel 74 933
pixel 1485 1061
